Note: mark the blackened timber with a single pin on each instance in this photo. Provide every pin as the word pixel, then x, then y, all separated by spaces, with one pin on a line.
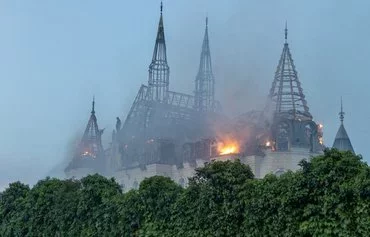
pixel 205 82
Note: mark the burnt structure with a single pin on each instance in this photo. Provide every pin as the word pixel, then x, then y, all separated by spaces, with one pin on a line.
pixel 342 141
pixel 159 71
pixel 292 124
pixel 170 133
pixel 205 82
pixel 89 153
pixel 159 117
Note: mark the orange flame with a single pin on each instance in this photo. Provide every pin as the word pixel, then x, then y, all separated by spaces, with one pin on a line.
pixel 228 147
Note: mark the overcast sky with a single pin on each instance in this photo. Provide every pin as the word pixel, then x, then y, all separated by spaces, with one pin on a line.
pixel 55 55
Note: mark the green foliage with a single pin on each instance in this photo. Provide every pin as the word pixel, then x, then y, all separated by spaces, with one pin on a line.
pixel 157 195
pixel 328 196
pixel 210 206
pixel 13 203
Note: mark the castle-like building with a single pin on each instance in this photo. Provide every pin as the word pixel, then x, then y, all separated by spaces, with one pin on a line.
pixel 171 134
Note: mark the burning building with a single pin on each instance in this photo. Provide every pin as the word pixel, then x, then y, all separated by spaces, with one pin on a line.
pixel 169 133
pixel 159 116
pixel 284 133
pixel 89 156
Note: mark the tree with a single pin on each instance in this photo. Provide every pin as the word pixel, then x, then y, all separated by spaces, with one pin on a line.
pixel 334 182
pixel 211 205
pixel 97 213
pixel 328 196
pixel 157 195
pixel 12 210
pixel 52 207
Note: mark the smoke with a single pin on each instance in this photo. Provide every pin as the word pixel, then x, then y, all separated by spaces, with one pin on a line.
pixel 58 170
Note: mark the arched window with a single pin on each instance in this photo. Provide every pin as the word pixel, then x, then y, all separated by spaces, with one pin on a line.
pixel 282 138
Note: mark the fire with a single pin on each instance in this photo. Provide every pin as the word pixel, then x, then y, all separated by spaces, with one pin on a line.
pixel 229 147
pixel 321 141
pixel 88 154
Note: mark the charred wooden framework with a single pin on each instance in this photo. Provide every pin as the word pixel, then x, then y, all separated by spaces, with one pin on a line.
pixel 159 116
pixel 292 124
pixel 89 152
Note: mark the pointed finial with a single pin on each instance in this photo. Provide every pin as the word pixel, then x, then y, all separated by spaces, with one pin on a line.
pixel 93 105
pixel 207 21
pixel 161 7
pixel 341 114
pixel 286 31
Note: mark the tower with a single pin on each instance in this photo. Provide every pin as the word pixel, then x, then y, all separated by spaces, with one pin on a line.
pixel 89 152
pixel 205 83
pixel 286 93
pixel 292 124
pixel 158 69
pixel 342 141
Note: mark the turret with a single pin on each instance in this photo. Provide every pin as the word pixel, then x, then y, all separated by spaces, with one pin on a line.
pixel 342 141
pixel 291 125
pixel 90 153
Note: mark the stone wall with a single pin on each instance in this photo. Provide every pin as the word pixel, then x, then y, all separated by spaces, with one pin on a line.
pixel 272 163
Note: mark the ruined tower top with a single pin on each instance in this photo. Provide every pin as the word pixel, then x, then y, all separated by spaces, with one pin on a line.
pixel 158 69
pixel 91 140
pixel 204 83
pixel 286 92
pixel 89 153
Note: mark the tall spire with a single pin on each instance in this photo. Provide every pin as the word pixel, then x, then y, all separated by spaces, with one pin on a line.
pixel 204 83
pixel 342 141
pixel 158 68
pixel 286 91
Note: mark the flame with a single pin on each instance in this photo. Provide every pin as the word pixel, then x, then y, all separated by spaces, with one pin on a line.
pixel 321 141
pixel 229 147
pixel 88 154
pixel 268 143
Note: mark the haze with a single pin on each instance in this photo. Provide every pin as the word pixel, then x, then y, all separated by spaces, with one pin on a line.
pixel 55 55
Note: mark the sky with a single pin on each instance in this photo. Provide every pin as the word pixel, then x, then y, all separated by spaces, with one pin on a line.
pixel 55 55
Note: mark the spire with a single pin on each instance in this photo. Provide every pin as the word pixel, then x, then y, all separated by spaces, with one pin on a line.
pixel 342 141
pixel 286 92
pixel 91 139
pixel 93 105
pixel 341 114
pixel 89 153
pixel 204 83
pixel 158 69
pixel 286 32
